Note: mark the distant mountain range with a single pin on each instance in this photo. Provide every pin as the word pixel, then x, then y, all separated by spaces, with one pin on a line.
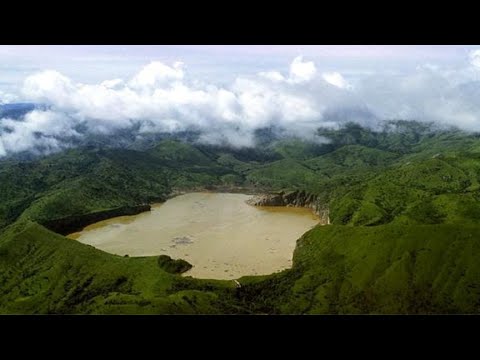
pixel 134 138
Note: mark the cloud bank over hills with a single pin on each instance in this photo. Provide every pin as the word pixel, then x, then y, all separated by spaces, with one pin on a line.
pixel 163 97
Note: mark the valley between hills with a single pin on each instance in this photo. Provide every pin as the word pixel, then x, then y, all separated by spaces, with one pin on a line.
pixel 402 203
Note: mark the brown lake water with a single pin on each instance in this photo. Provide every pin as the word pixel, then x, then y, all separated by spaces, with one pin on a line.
pixel 219 234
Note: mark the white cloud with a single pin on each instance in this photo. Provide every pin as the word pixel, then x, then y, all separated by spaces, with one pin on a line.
pixel 301 71
pixel 112 84
pixel 7 98
pixel 425 95
pixel 428 66
pixel 39 129
pixel 162 97
pixel 272 75
pixel 157 74
pixel 49 86
pixel 475 58
pixel 169 101
pixel 336 79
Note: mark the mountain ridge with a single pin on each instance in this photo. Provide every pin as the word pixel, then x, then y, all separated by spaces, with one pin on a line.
pixel 404 208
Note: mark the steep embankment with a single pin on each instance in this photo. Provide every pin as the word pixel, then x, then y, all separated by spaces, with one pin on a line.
pixel 296 198
pixel 74 223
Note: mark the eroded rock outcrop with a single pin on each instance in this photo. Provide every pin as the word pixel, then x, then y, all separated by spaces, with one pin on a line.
pixel 297 198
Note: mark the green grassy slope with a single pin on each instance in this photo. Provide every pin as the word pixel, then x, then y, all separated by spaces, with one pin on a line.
pixel 43 272
pixel 82 181
pixel 386 269
pixel 405 205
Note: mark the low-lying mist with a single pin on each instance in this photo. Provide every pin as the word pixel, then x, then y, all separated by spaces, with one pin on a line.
pixel 162 100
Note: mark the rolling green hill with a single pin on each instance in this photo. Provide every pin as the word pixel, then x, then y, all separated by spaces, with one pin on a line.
pixel 386 269
pixel 404 202
pixel 42 272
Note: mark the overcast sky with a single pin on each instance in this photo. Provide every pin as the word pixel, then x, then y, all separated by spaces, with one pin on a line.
pixel 92 64
pixel 232 90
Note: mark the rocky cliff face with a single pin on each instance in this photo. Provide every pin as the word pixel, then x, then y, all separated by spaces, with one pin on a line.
pixel 70 224
pixel 297 198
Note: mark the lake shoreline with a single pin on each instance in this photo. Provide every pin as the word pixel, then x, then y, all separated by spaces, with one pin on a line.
pixel 219 233
pixel 75 223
